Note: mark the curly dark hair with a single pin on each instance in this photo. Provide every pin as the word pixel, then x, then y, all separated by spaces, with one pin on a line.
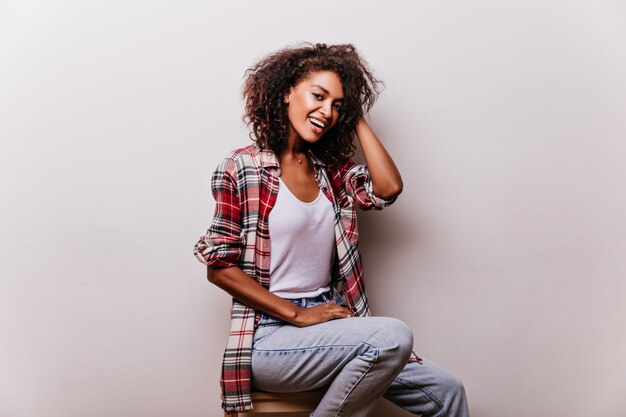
pixel 271 78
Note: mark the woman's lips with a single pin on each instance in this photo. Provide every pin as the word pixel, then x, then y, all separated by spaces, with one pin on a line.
pixel 315 128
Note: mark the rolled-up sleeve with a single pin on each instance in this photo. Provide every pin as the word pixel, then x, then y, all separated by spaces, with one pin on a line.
pixel 222 245
pixel 358 185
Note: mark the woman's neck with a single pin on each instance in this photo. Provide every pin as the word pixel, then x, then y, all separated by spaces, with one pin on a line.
pixel 295 149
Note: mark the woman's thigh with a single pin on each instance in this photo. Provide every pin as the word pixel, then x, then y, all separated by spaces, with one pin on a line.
pixel 289 358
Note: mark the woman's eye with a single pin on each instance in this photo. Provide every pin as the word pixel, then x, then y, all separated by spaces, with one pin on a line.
pixel 339 107
pixel 318 96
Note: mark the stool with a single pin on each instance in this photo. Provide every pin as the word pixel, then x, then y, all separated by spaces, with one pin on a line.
pixel 284 402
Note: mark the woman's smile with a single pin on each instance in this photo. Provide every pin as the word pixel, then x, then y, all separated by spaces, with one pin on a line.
pixel 318 125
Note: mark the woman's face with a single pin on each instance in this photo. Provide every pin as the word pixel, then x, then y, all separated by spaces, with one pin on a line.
pixel 314 105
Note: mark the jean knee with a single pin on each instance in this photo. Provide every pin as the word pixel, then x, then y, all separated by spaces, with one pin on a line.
pixel 458 386
pixel 454 385
pixel 397 332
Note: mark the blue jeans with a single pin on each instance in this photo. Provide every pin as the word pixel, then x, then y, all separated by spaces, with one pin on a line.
pixel 360 359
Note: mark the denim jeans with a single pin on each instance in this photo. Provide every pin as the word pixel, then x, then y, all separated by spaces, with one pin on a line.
pixel 360 359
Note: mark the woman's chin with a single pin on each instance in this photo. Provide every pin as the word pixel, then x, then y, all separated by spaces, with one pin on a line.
pixel 312 138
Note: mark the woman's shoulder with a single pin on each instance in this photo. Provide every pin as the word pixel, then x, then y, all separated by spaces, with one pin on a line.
pixel 246 162
pixel 241 153
pixel 251 155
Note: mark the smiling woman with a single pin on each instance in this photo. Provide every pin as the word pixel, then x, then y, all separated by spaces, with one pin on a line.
pixel 269 81
pixel 300 317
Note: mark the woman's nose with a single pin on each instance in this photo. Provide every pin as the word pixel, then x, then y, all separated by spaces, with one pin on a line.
pixel 326 109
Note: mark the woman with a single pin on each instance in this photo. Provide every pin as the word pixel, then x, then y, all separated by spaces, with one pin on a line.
pixel 300 317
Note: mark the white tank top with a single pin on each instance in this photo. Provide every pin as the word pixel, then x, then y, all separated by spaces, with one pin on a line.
pixel 302 245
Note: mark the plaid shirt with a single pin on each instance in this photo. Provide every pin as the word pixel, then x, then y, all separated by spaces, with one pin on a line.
pixel 245 187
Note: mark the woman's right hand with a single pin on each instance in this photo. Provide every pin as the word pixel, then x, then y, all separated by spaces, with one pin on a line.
pixel 320 313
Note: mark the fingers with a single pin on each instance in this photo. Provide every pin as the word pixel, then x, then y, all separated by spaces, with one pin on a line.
pixel 344 313
pixel 322 313
pixel 336 311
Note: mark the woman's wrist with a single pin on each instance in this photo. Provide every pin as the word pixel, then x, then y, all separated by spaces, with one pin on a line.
pixel 361 124
pixel 292 314
pixel 296 317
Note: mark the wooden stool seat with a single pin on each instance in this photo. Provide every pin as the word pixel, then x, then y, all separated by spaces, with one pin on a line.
pixel 284 402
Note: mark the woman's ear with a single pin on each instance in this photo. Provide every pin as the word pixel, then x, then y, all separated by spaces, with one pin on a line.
pixel 287 95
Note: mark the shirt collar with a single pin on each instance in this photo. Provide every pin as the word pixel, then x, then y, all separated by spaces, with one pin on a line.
pixel 268 159
pixel 315 159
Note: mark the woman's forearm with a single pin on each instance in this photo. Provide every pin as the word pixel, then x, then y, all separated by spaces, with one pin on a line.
pixel 245 289
pixel 386 179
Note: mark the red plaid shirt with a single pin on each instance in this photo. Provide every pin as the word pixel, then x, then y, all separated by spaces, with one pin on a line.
pixel 245 186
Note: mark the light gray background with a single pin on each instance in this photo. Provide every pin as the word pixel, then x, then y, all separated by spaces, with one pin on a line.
pixel 505 252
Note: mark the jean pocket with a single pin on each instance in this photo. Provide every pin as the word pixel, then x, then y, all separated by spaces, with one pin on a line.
pixel 259 334
pixel 267 320
pixel 267 325
pixel 263 331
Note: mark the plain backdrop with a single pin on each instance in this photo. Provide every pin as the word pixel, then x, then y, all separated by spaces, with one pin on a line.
pixel 505 252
